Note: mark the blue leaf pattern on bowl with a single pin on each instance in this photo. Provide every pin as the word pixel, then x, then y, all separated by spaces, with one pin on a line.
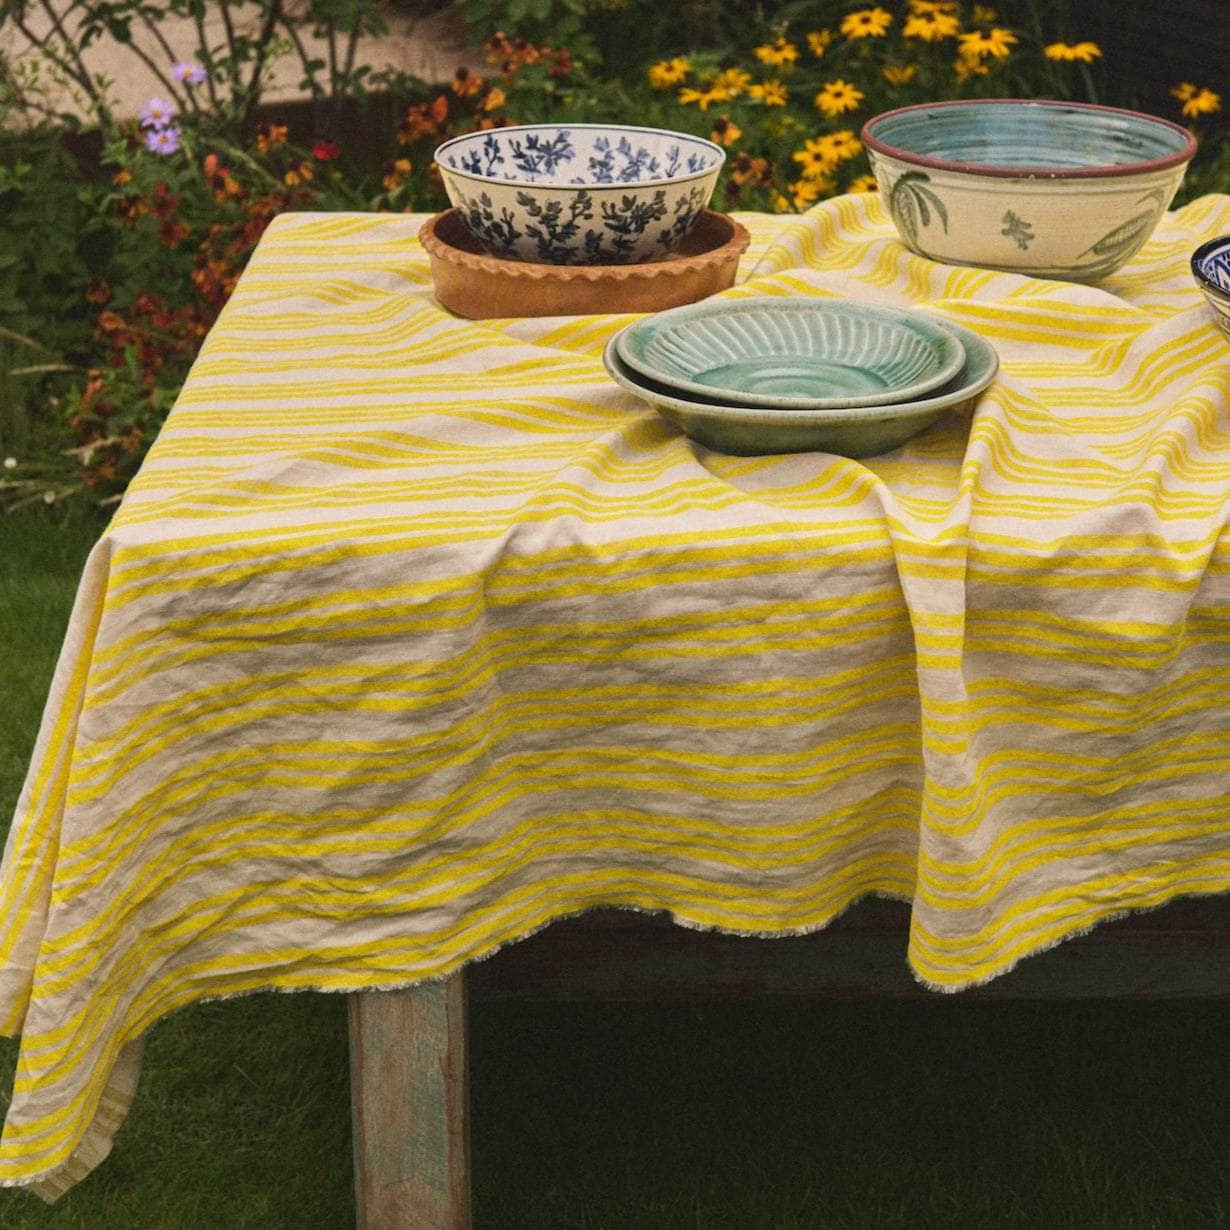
pixel 556 226
pixel 539 157
pixel 484 163
pixel 480 216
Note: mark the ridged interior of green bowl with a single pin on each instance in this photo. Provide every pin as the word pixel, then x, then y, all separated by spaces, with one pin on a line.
pixel 786 352
pixel 1055 137
pixel 896 355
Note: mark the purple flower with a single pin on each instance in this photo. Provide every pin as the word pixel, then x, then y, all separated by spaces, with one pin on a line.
pixel 162 140
pixel 156 113
pixel 188 71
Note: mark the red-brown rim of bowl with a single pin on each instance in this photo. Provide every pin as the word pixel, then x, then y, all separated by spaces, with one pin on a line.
pixel 981 168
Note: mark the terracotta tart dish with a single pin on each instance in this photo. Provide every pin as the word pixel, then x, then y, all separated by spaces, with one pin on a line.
pixel 471 283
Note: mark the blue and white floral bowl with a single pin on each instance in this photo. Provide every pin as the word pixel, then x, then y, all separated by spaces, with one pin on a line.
pixel 580 194
pixel 1211 269
pixel 1050 189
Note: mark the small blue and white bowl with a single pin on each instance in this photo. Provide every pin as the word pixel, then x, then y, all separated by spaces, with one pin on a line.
pixel 580 194
pixel 1211 269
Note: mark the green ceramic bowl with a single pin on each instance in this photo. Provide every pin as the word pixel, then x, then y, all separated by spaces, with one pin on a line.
pixel 851 431
pixel 1051 189
pixel 795 353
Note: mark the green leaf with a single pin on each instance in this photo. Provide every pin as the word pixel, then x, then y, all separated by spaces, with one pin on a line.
pixel 1126 235
pixel 936 204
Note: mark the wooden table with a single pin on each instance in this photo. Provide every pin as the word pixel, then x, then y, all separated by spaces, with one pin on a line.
pixel 408 1047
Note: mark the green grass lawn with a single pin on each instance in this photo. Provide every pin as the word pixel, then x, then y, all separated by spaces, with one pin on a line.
pixel 947 1113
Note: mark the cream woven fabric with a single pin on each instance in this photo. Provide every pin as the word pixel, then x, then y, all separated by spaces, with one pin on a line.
pixel 414 634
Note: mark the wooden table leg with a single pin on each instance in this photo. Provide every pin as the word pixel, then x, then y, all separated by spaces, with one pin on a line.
pixel 408 1105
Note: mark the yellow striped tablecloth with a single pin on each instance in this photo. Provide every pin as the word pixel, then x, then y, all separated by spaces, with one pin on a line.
pixel 414 634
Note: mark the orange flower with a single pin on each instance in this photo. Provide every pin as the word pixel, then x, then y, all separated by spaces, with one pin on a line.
pixel 466 83
pixel 749 170
pixel 396 174
pixel 270 136
pixel 300 174
pixel 725 131
pixel 422 120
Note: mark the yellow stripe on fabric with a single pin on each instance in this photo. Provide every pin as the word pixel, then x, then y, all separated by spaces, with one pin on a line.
pixel 956 811
pixel 1028 846
pixel 322 764
pixel 712 902
pixel 380 972
pixel 1060 923
pixel 34 843
pixel 447 679
pixel 1000 938
pixel 219 559
pixel 447 877
pixel 389 691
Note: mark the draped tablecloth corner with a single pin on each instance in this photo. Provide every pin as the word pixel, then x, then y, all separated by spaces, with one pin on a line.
pixel 414 634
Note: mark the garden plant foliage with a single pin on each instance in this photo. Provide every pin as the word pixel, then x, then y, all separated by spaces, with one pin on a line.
pixel 122 244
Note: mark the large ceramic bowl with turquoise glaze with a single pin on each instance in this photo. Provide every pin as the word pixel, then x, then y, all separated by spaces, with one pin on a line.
pixel 580 194
pixel 1051 189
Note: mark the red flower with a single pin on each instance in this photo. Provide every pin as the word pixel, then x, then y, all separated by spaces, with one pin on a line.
pixel 324 151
